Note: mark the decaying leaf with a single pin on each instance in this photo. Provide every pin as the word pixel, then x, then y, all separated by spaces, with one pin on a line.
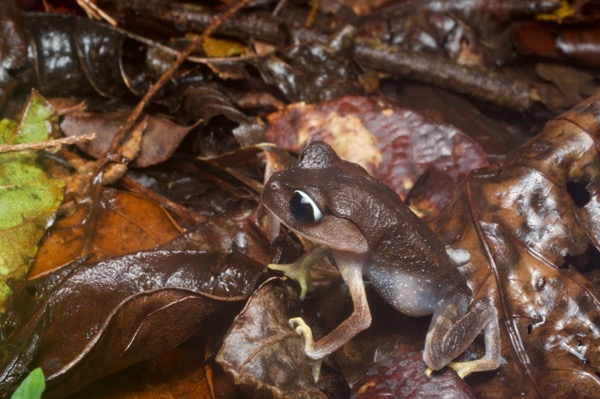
pixel 28 198
pixel 403 377
pixel 262 352
pixel 526 224
pixel 115 313
pixel 313 71
pixel 160 139
pixel 124 223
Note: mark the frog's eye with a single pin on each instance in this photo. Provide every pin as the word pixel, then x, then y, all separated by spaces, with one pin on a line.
pixel 303 208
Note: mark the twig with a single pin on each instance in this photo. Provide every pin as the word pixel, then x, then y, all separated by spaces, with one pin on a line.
pixel 93 11
pixel 181 57
pixel 40 145
pixel 478 83
pixel 473 82
pixel 96 182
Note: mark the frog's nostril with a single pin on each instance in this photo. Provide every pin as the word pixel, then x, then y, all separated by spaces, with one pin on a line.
pixel 274 185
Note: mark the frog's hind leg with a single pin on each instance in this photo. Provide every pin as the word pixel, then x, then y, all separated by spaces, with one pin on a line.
pixel 453 329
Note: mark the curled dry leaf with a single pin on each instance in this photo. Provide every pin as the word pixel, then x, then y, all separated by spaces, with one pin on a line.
pixel 160 138
pixel 528 225
pixel 112 314
pixel 396 145
pixel 262 352
pixel 208 103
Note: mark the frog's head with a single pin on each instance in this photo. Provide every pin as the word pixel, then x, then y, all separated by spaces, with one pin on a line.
pixel 327 200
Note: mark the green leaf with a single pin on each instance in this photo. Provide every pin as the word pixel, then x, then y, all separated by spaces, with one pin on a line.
pixel 28 198
pixel 32 386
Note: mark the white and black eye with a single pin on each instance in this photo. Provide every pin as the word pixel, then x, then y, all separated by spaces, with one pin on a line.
pixel 303 208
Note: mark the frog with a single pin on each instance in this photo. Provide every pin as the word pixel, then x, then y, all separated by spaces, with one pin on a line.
pixel 371 234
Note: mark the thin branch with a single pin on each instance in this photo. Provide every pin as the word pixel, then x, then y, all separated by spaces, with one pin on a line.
pixel 41 145
pixel 181 57
pixel 491 86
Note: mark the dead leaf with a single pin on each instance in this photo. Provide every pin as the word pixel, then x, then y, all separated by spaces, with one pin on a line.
pixel 124 223
pixel 262 352
pixel 160 140
pixel 524 224
pixel 403 377
pixel 313 71
pixel 178 373
pixel 115 313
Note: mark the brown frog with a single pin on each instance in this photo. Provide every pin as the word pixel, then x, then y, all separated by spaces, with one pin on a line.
pixel 370 232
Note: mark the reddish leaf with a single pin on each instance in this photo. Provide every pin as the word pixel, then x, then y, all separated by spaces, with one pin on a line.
pixel 395 145
pixel 124 223
pixel 403 377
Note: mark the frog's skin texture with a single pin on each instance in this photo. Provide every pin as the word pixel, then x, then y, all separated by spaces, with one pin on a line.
pixel 369 231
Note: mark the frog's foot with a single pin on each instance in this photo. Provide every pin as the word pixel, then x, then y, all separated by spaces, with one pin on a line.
pixel 300 326
pixel 299 271
pixel 463 369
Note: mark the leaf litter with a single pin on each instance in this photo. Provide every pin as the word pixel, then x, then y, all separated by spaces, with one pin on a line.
pixel 528 221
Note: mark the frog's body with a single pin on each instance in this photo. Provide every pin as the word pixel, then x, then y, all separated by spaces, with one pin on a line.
pixel 370 231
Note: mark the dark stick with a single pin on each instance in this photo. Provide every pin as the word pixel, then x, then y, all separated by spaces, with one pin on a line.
pixel 490 86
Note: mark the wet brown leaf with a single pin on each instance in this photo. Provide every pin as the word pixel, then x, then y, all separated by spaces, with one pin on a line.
pixel 208 103
pixel 262 352
pixel 115 313
pixel 124 223
pixel 396 145
pixel 528 226
pixel 578 43
pixel 313 71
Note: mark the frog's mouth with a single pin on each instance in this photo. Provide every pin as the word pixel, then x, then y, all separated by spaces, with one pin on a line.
pixel 332 231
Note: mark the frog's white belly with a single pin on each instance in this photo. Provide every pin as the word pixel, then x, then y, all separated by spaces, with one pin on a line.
pixel 410 294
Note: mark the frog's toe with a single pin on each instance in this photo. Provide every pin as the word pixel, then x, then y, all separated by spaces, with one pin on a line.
pixel 283 267
pixel 301 328
pixel 463 369
pixel 315 366
pixel 486 363
pixel 296 272
pixel 428 372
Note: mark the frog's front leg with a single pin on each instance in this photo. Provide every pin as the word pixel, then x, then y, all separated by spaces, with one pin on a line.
pixel 453 329
pixel 300 270
pixel 360 319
